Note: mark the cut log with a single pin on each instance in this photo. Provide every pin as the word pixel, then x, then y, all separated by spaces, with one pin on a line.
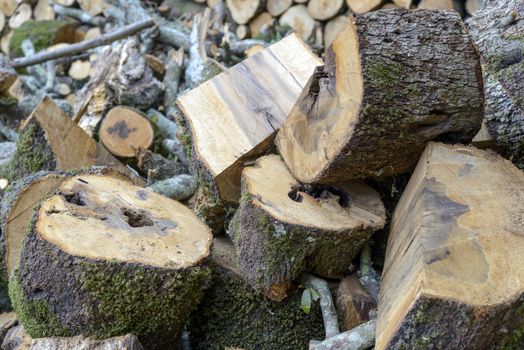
pixel 332 28
pixel 66 3
pixel 8 7
pixel 51 140
pixel 44 11
pixel 324 9
pixel 93 7
pixel 403 3
pixel 450 243
pixel 242 32
pixel 104 257
pixel 249 108
pixel 436 4
pixel 79 70
pixel 472 6
pixel 282 228
pixel 498 33
pixel 363 6
pixel 42 34
pixel 278 7
pixel 243 10
pixel 299 19
pixel 4 42
pixel 124 131
pixel 2 21
pixel 259 22
pixel 22 14
pixel 232 315
pixel 354 304
pixel 349 121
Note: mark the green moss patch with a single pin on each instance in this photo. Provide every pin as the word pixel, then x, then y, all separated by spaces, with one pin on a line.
pixel 42 34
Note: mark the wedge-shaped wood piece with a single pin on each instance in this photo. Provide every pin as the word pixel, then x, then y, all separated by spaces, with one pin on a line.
pixel 233 315
pixel 51 140
pixel 103 256
pixel 234 116
pixel 282 229
pixel 392 81
pixel 453 275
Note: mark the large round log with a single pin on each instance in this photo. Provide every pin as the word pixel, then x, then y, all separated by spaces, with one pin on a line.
pixel 282 228
pixel 392 81
pixel 499 33
pixel 104 258
pixel 233 315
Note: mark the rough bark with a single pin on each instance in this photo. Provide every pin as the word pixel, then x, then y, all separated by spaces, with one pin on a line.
pixel 447 255
pixel 126 342
pixel 277 238
pixel 392 81
pixel 233 315
pixel 499 34
pixel 156 167
pixel 66 285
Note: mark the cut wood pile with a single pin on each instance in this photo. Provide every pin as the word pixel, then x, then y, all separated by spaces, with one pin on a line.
pixel 246 174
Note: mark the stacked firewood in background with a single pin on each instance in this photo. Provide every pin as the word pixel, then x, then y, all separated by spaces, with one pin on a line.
pixel 261 175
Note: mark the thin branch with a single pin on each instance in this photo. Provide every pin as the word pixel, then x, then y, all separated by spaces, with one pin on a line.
pixel 82 46
pixel 358 338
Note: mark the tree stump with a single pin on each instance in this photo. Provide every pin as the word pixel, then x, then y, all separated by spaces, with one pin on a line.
pixel 382 95
pixel 104 258
pixel 51 140
pixel 282 228
pixel 233 315
pixel 499 35
pixel 124 131
pixel 452 277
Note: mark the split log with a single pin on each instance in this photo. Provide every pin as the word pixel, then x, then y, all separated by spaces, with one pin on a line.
pixel 278 7
pixel 282 228
pixel 498 33
pixel 243 97
pixel 126 342
pixel 233 315
pixel 450 243
pixel 349 121
pixel 332 28
pixel 51 140
pixel 298 18
pixel 103 256
pixel 323 10
pixel 363 6
pixel 22 14
pixel 124 131
pixel 354 304
pixel 243 10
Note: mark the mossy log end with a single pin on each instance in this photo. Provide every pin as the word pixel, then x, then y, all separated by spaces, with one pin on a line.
pixel 51 140
pixel 280 230
pixel 233 315
pixel 105 258
pixel 453 276
pixel 498 31
pixel 392 81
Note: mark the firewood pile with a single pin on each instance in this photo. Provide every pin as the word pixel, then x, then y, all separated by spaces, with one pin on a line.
pixel 248 174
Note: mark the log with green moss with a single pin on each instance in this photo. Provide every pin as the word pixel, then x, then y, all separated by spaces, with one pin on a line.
pixel 283 228
pixel 42 34
pixel 392 81
pixel 50 140
pixel 233 315
pixel 498 31
pixel 104 258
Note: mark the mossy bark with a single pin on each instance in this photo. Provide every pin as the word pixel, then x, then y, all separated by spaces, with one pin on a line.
pixel 434 323
pixel 272 253
pixel 57 294
pixel 42 34
pixel 232 314
pixel 499 33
